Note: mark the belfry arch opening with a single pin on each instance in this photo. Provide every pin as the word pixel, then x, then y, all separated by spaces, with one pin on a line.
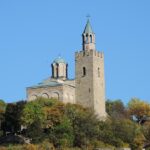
pixel 90 38
pixel 86 39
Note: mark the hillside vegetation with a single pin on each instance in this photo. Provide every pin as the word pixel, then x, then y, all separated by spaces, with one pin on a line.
pixel 51 123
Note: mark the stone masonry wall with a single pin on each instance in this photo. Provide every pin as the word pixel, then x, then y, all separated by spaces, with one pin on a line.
pixel 90 89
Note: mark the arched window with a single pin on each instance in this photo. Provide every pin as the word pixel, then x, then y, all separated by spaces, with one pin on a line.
pixel 90 38
pixel 45 95
pixel 52 71
pixel 98 72
pixel 67 71
pixel 86 40
pixel 55 95
pixel 84 71
pixel 57 71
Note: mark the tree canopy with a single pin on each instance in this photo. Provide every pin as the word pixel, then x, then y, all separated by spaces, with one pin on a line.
pixel 138 109
pixel 71 125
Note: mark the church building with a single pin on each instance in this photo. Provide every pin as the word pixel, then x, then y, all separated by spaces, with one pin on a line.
pixel 88 87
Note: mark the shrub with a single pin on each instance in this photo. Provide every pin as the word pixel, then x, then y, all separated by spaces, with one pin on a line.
pixel 29 147
pixel 46 145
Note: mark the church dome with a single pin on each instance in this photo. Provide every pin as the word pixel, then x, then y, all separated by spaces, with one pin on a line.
pixel 59 60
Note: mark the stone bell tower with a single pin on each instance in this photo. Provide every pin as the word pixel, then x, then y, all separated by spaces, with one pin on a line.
pixel 90 82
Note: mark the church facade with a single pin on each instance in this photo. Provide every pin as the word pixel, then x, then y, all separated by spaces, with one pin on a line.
pixel 88 87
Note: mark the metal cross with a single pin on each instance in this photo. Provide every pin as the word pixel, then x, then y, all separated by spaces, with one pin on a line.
pixel 88 16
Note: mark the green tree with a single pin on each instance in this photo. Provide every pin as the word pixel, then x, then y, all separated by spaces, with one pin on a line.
pixel 138 141
pixel 32 112
pixel 146 132
pixel 57 125
pixel 44 102
pixel 13 116
pixel 35 132
pixel 33 118
pixel 62 134
pixel 139 109
pixel 116 109
pixel 2 106
pixel 53 114
pixel 107 134
pixel 85 124
pixel 124 129
pixel 2 117
pixel 42 118
pixel 120 133
pixel 18 110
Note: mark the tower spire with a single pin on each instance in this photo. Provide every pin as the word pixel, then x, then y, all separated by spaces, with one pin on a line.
pixel 88 28
pixel 88 37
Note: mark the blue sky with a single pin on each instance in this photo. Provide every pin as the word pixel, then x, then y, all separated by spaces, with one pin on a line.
pixel 34 32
